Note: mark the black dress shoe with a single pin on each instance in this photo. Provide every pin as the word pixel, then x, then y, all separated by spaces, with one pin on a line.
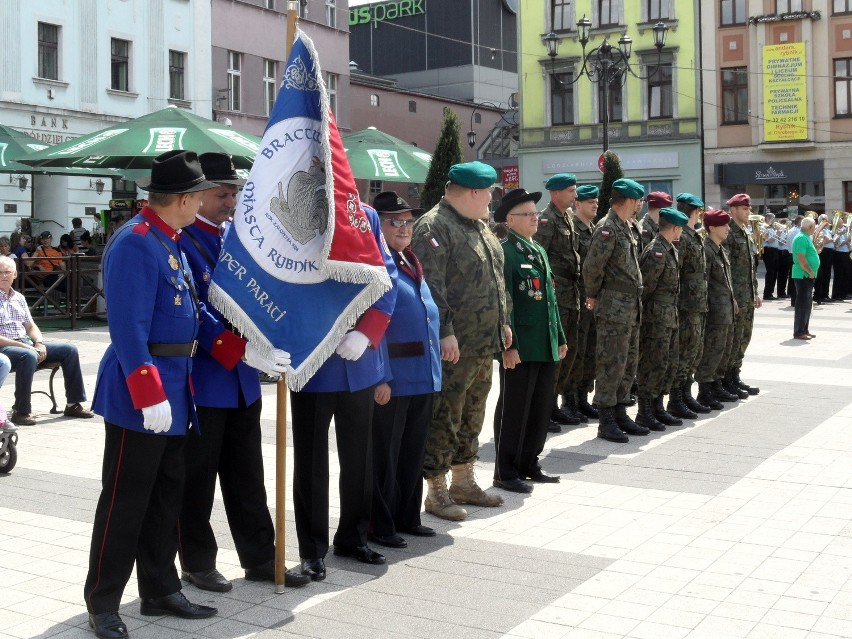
pixel 266 572
pixel 175 604
pixel 108 625
pixel 554 427
pixel 314 569
pixel 513 485
pixel 419 531
pixel 364 554
pixel 212 580
pixel 540 477
pixel 391 541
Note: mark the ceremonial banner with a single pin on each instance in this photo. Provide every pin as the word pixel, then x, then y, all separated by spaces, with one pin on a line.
pixel 785 92
pixel 299 264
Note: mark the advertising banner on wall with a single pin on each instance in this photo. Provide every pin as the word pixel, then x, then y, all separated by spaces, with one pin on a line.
pixel 785 92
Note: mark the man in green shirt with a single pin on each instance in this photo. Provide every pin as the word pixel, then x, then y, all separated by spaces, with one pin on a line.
pixel 805 269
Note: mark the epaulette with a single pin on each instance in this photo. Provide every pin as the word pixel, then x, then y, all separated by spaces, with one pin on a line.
pixel 142 228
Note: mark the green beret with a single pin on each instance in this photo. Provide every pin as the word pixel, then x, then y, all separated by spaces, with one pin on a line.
pixel 690 199
pixel 473 175
pixel 629 189
pixel 560 181
pixel 587 192
pixel 674 216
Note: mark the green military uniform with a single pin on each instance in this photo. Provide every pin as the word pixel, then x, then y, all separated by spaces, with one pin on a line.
pixel 463 266
pixel 648 230
pixel 558 237
pixel 718 332
pixel 526 391
pixel 658 335
pixel 582 376
pixel 691 306
pixel 611 275
pixel 743 255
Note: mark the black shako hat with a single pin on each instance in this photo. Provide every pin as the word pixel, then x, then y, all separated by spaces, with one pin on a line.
pixel 175 172
pixel 219 168
pixel 512 199
pixel 390 202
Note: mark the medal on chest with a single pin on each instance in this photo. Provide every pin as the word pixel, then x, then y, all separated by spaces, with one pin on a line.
pixel 535 289
pixel 173 263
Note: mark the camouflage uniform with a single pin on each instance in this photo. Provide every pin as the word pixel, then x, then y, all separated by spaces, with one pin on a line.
pixel 648 230
pixel 463 266
pixel 611 275
pixel 720 314
pixel 658 335
pixel 743 255
pixel 582 376
pixel 558 237
pixel 692 305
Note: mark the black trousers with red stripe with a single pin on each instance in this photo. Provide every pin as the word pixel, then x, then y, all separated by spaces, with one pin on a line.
pixel 136 518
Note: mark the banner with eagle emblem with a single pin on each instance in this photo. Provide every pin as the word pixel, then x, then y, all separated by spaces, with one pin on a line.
pixel 299 264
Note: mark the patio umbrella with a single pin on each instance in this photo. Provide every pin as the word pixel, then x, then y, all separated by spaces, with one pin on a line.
pixel 374 155
pixel 135 143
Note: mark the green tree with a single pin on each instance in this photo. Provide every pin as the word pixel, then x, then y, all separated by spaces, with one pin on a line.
pixel 612 172
pixel 447 153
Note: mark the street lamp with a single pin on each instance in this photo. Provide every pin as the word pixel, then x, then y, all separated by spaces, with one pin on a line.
pixel 98 185
pixel 605 63
pixel 20 180
pixel 471 134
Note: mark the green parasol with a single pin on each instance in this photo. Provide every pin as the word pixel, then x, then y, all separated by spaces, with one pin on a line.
pixel 374 155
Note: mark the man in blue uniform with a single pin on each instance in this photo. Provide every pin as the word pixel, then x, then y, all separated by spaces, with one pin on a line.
pixel 344 389
pixel 143 393
pixel 228 403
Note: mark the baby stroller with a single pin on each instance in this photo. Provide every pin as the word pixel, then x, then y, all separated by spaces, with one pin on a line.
pixel 8 443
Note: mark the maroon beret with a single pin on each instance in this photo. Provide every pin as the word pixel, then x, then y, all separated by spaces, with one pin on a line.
pixel 740 199
pixel 715 217
pixel 658 200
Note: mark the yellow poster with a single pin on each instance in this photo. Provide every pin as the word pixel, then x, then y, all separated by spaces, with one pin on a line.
pixel 785 92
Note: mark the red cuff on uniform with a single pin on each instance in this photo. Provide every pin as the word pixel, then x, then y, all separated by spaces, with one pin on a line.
pixel 373 324
pixel 227 349
pixel 146 387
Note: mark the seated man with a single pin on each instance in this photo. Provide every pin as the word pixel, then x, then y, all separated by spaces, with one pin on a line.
pixel 21 341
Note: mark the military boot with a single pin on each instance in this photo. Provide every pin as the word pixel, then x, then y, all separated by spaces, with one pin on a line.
pixel 645 417
pixel 626 424
pixel 706 396
pixel 692 403
pixel 677 407
pixel 663 416
pixel 561 416
pixel 608 429
pixel 569 407
pixel 438 501
pixel 465 490
pixel 585 407
pixel 730 385
pixel 751 390
pixel 721 394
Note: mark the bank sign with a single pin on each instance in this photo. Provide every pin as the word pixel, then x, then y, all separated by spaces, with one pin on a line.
pixel 385 12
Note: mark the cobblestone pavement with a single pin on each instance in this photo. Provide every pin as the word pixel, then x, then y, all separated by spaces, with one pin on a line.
pixel 736 525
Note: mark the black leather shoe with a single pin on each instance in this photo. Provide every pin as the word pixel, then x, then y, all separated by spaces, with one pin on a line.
pixel 364 554
pixel 108 625
pixel 513 485
pixel 419 531
pixel 554 427
pixel 391 541
pixel 559 416
pixel 212 580
pixel 540 477
pixel 175 604
pixel 314 569
pixel 266 572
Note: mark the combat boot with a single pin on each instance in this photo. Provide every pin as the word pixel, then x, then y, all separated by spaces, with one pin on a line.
pixel 626 424
pixel 731 386
pixel 690 402
pixel 663 416
pixel 585 407
pixel 561 416
pixel 706 396
pixel 751 390
pixel 608 429
pixel 438 501
pixel 721 394
pixel 465 490
pixel 569 407
pixel 645 417
pixel 677 407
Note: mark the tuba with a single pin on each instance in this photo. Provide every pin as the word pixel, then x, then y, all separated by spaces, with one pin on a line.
pixel 819 238
pixel 754 221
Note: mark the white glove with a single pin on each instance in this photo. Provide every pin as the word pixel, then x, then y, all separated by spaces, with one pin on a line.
pixel 158 417
pixel 353 345
pixel 273 364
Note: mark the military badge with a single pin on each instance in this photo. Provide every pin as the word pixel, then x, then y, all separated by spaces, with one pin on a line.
pixel 658 255
pixel 604 233
pixel 178 300
pixel 173 263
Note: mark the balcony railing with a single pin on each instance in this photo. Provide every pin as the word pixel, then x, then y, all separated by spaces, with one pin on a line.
pixel 621 132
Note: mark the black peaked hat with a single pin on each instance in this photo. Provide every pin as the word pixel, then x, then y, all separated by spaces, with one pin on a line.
pixel 390 202
pixel 219 168
pixel 175 172
pixel 512 199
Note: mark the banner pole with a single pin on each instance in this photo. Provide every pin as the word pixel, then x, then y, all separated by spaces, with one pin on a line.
pixel 281 392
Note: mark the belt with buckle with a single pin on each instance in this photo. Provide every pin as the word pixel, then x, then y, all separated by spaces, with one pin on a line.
pixel 173 350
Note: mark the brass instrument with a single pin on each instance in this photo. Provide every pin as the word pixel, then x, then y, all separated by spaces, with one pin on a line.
pixel 755 232
pixel 819 238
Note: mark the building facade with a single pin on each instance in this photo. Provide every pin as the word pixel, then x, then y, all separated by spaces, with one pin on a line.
pixel 778 103
pixel 652 110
